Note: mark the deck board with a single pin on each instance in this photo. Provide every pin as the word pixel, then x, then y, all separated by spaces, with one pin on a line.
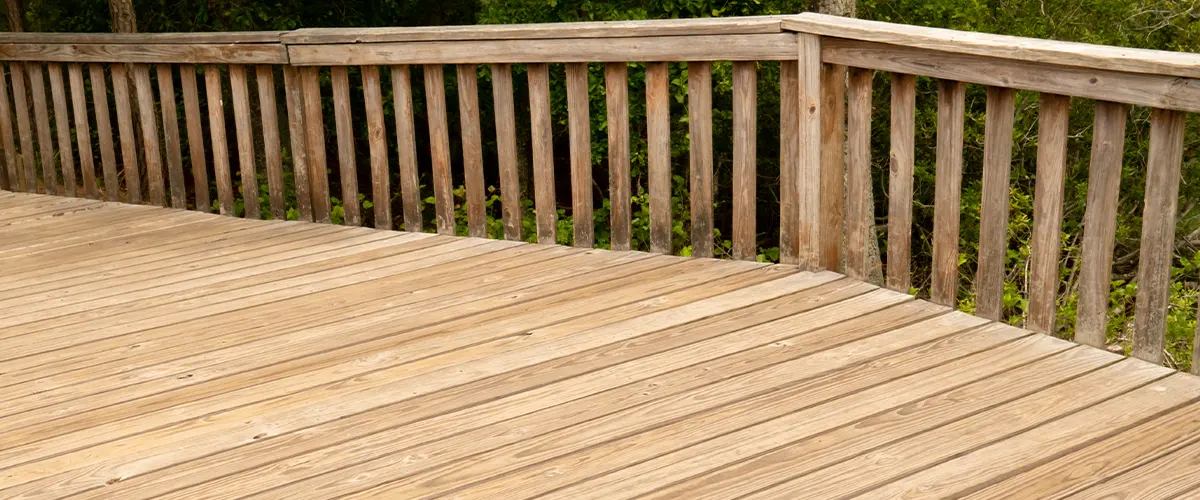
pixel 155 353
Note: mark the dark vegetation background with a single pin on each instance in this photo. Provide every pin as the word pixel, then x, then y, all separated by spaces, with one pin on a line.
pixel 1157 24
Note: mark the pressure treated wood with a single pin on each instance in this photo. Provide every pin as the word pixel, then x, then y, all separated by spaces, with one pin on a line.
pixel 24 130
pixel 658 155
pixel 506 149
pixel 264 80
pixel 314 140
pixel 1048 211
pixel 439 147
pixel 128 136
pixel 339 78
pixel 108 156
pixel 195 137
pixel 406 147
pixel 240 93
pixel 745 178
pixel 62 124
pixel 472 144
pixel 12 177
pixel 310 360
pixel 41 118
pixel 859 215
pixel 993 211
pixel 808 229
pixel 220 147
pixel 700 157
pixel 170 118
pixel 381 191
pixel 833 165
pixel 948 191
pixel 900 181
pixel 155 183
pixel 543 153
pixel 579 132
pixel 83 135
pixel 616 94
pixel 292 89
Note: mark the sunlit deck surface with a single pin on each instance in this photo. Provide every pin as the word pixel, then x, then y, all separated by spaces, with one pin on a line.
pixel 158 353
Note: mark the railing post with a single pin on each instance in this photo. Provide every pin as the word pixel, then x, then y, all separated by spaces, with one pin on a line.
pixel 809 173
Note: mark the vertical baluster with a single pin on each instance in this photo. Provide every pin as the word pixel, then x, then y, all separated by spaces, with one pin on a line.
pixel 543 153
pixel 658 155
pixel 108 155
pixel 1100 223
pixel 472 144
pixel 150 145
pixel 83 135
pixel 700 156
pixel 1158 233
pixel 129 152
pixel 506 149
pixel 993 216
pixel 1048 212
pixel 381 191
pixel 833 168
pixel 439 147
pixel 809 178
pixel 745 114
pixel 12 177
pixel 579 124
pixel 264 79
pixel 21 103
pixel 859 214
pixel 900 181
pixel 616 91
pixel 340 79
pixel 947 191
pixel 220 146
pixel 406 147
pixel 170 118
pixel 789 161
pixel 41 114
pixel 195 135
pixel 314 138
pixel 62 122
pixel 296 130
pixel 240 92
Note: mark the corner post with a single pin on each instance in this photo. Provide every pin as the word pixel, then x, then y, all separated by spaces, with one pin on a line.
pixel 809 178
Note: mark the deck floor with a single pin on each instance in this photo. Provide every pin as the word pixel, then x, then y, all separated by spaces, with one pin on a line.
pixel 154 353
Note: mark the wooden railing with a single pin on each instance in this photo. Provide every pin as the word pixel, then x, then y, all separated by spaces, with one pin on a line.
pixel 825 64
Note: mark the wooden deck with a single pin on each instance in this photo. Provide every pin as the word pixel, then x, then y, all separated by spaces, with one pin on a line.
pixel 154 353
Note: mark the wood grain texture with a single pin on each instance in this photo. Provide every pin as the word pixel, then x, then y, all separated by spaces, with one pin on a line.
pixel 833 165
pixel 294 97
pixel 993 212
pixel 616 95
pixel 220 147
pixel 406 147
pixel 1100 223
pixel 789 162
pixel 264 80
pixel 1048 212
pixel 579 131
pixel 700 157
pixel 543 153
pixel 170 118
pixel 239 91
pixel 860 215
pixel 347 163
pixel 472 144
pixel 745 157
pixel 1158 233
pixel 900 181
pixel 41 119
pixel 151 148
pixel 381 190
pixel 12 178
pixel 314 140
pixel 24 128
pixel 195 138
pixel 506 150
pixel 148 53
pixel 226 37
pixel 948 192
pixel 62 124
pixel 126 132
pixel 658 155
pixel 83 135
pixel 439 147
pixel 104 133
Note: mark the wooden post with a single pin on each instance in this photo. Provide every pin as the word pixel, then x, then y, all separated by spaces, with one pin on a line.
pixel 439 147
pixel 381 192
pixel 658 155
pixel 472 144
pixel 1100 223
pixel 406 147
pixel 809 179
pixel 745 178
pixel 948 191
pixel 264 79
pixel 543 153
pixel 859 213
pixel 700 156
pixel 616 92
pixel 347 164
pixel 993 217
pixel 112 186
pixel 900 182
pixel 506 149
pixel 1047 212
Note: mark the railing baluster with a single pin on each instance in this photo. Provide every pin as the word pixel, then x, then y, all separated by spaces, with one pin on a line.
pixel 616 94
pixel 314 139
pixel 543 153
pixel 439 148
pixel 808 230
pixel 21 103
pixel 296 138
pixel 993 217
pixel 859 215
pixel 579 125
pixel 170 118
pixel 264 79
pixel 833 165
pixel 472 144
pixel 129 150
pixel 1100 223
pixel 658 155
pixel 789 162
pixel 900 182
pixel 1158 233
pixel 1048 212
pixel 150 145
pixel 948 191
pixel 745 178
pixel 381 191
pixel 62 123
pixel 244 129
pixel 108 155
pixel 347 164
pixel 220 148
pixel 195 135
pixel 506 149
pixel 41 114
pixel 12 178
pixel 700 156
pixel 83 135
pixel 406 147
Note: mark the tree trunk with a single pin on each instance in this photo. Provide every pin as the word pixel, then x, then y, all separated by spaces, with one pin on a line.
pixel 123 18
pixel 845 8
pixel 15 20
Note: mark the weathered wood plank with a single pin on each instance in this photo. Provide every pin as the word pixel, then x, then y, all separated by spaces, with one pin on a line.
pixel 658 155
pixel 439 147
pixel 264 80
pixel 12 177
pixel 24 129
pixel 314 140
pixel 900 182
pixel 745 152
pixel 406 147
pixel 170 118
pixel 948 191
pixel 244 128
pixel 83 135
pixel 108 156
pixel 860 215
pixel 128 135
pixel 381 191
pixel 543 153
pixel 993 216
pixel 293 95
pixel 1100 223
pixel 472 144
pixel 506 149
pixel 156 190
pixel 789 161
pixel 222 38
pixel 833 165
pixel 616 94
pixel 146 53
pixel 195 137
pixel 41 118
pixel 220 146
pixel 700 159
pixel 62 124
pixel 579 130
pixel 347 163
pixel 1048 213
pixel 809 229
